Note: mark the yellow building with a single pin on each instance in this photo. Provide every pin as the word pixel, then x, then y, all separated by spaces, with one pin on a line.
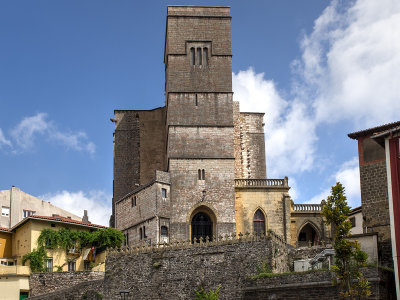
pixel 22 239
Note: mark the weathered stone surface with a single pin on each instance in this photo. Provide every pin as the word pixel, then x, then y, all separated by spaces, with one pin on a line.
pixel 44 283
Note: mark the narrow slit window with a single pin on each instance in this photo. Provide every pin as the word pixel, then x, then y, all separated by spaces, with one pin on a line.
pixel 192 57
pixel 203 174
pixel 141 233
pixel 133 201
pixel 196 101
pixel 205 56
pixel 199 58
pixel 199 174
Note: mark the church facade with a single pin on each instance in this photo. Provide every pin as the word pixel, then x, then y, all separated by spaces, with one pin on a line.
pixel 195 168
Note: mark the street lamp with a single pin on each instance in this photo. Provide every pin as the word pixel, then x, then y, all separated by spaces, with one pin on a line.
pixel 124 294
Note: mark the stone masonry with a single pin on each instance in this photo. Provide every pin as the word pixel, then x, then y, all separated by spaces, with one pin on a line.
pixel 201 140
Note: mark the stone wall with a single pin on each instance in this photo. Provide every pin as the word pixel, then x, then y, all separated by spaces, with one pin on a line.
pixel 375 206
pixel 90 290
pixel 143 208
pixel 188 198
pixel 139 149
pixel 44 283
pixel 192 27
pixel 175 273
pixel 314 285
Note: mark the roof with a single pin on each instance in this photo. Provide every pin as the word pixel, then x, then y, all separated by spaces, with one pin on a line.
pixel 356 210
pixel 58 219
pixel 374 130
pixel 5 229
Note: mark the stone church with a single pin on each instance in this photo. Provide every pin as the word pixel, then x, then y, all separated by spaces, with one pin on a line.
pixel 195 168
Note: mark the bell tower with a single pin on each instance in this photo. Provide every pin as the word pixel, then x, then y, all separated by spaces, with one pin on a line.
pixel 200 129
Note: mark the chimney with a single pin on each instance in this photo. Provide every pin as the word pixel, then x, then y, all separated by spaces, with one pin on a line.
pixel 85 218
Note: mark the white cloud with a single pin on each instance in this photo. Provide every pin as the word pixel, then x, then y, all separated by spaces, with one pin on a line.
pixel 3 140
pixel 348 175
pixel 289 130
pixel 97 203
pixel 351 62
pixel 30 128
pixel 25 132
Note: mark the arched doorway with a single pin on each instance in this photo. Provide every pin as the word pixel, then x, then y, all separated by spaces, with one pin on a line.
pixel 306 235
pixel 202 226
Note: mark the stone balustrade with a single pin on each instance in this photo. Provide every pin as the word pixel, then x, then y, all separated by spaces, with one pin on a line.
pixel 243 183
pixel 307 207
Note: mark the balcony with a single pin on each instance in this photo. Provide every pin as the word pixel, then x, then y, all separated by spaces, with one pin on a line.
pixel 14 270
pixel 307 208
pixel 262 183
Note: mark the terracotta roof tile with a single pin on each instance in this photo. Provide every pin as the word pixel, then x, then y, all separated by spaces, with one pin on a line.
pixel 66 220
pixel 5 229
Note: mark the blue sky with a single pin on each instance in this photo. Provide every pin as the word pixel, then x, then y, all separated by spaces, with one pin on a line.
pixel 319 69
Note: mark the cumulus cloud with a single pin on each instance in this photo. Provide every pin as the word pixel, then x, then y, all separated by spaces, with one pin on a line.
pixel 290 131
pixel 30 128
pixel 347 71
pixel 351 62
pixel 348 175
pixel 97 203
pixel 3 140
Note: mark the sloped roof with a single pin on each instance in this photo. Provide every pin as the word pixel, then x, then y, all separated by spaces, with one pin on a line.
pixel 378 129
pixel 5 229
pixel 58 219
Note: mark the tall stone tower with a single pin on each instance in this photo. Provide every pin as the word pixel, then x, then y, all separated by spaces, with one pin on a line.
pixel 200 129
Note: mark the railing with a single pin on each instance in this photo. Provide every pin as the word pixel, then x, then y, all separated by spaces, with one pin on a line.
pixel 307 207
pixel 261 182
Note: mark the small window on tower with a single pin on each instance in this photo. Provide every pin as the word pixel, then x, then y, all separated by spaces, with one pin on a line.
pixel 192 57
pixel 199 58
pixel 164 194
pixel 205 56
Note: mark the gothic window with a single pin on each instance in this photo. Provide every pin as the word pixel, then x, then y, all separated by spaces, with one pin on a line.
pixel 199 57
pixel 259 222
pixel 164 231
pixel 205 56
pixel 192 57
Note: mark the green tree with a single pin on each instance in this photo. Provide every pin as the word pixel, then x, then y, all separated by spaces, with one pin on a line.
pixel 349 258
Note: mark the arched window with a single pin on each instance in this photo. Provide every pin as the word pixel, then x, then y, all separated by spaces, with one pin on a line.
pixel 164 231
pixel 205 56
pixel 259 222
pixel 199 58
pixel 192 56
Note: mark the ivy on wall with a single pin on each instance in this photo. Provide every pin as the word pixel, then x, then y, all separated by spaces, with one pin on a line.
pixel 66 239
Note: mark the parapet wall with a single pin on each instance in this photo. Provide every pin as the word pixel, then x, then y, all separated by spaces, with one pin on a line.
pixel 175 272
pixel 44 283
